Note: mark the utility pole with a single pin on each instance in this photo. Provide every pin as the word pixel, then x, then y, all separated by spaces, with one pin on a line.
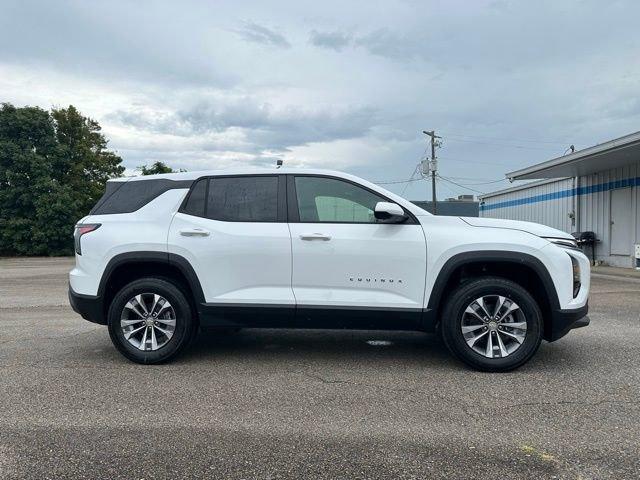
pixel 432 167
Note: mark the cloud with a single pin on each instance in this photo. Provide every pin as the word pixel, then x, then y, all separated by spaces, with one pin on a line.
pixel 381 42
pixel 385 43
pixel 335 40
pixel 109 41
pixel 254 32
pixel 191 84
pixel 244 123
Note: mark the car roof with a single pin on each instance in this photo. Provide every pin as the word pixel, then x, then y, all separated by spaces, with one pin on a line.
pixel 233 171
pixel 283 170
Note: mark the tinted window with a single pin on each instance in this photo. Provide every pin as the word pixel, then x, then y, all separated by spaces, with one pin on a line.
pixel 243 199
pixel 126 197
pixel 195 202
pixel 334 201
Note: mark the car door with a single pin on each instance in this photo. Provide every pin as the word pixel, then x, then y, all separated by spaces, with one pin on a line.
pixel 233 231
pixel 349 269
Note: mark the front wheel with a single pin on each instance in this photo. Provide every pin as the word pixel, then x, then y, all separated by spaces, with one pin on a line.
pixel 150 321
pixel 492 324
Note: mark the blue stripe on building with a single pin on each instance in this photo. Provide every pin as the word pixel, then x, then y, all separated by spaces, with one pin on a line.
pixel 601 187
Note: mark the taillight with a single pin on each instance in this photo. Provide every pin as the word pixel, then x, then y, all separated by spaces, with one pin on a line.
pixel 80 230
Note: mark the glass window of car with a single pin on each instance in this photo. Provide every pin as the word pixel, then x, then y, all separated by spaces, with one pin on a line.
pixel 243 199
pixel 195 202
pixel 329 200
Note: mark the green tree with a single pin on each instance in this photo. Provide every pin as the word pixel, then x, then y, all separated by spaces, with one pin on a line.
pixel 156 167
pixel 53 168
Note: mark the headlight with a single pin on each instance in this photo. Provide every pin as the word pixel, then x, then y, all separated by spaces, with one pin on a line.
pixel 563 242
pixel 576 276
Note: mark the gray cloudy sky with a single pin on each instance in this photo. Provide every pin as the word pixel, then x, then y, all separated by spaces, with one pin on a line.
pixel 346 85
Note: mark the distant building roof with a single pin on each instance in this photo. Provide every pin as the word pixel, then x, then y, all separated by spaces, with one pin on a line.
pixel 520 186
pixel 614 153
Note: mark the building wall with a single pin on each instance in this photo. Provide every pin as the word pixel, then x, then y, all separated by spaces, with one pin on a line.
pixel 594 195
pixel 552 208
pixel 552 203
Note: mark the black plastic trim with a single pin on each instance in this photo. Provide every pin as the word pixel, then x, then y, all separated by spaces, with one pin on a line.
pixel 326 316
pixel 88 306
pixel 92 308
pixel 565 320
pixel 492 256
pixel 431 315
pixel 309 316
pixel 247 315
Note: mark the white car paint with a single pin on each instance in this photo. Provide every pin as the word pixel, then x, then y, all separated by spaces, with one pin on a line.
pixel 272 263
pixel 530 227
pixel 362 265
pixel 237 262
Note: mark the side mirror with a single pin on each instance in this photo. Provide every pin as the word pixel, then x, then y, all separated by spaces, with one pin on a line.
pixel 389 212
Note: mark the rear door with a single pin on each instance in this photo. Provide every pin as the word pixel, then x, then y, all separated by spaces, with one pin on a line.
pixel 233 231
pixel 349 270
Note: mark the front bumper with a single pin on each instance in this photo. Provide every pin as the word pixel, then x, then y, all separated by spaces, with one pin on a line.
pixel 564 320
pixel 90 307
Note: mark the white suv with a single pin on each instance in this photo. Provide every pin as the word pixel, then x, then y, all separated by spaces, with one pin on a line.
pixel 161 256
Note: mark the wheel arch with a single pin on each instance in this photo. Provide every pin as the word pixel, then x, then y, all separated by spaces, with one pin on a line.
pixel 524 269
pixel 127 267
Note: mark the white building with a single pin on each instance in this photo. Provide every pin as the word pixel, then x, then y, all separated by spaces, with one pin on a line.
pixel 596 189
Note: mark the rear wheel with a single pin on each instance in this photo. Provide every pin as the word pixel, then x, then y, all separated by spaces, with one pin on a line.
pixel 150 321
pixel 492 324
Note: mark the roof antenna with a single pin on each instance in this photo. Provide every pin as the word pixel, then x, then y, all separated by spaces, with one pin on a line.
pixel 279 163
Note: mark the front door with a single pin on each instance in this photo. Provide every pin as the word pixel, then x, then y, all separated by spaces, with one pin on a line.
pixel 620 221
pixel 349 270
pixel 233 231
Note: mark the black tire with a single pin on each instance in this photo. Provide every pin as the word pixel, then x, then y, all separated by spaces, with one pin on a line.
pixel 463 296
pixel 185 324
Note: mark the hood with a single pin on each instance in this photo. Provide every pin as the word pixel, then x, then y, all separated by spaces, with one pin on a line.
pixel 529 227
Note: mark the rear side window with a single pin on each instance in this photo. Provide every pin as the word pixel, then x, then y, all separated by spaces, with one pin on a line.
pixel 127 197
pixel 243 199
pixel 196 201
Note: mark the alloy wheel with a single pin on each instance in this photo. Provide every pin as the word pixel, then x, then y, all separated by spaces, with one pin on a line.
pixel 494 326
pixel 148 321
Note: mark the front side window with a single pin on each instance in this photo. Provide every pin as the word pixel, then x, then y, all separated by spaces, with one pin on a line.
pixel 329 200
pixel 243 199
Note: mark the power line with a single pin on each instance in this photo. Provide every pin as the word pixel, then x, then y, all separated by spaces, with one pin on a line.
pixel 478 162
pixel 447 187
pixel 396 182
pixel 460 185
pixel 563 142
pixel 477 179
pixel 481 183
pixel 511 145
pixel 415 170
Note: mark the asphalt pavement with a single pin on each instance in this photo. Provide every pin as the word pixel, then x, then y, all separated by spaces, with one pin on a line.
pixel 309 404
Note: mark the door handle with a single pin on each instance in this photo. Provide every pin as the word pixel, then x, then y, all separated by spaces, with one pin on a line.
pixel 194 232
pixel 315 236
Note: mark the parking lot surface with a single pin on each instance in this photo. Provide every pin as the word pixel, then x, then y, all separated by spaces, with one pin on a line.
pixel 309 404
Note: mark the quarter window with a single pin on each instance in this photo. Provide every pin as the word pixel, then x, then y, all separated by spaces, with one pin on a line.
pixel 329 200
pixel 195 203
pixel 243 199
